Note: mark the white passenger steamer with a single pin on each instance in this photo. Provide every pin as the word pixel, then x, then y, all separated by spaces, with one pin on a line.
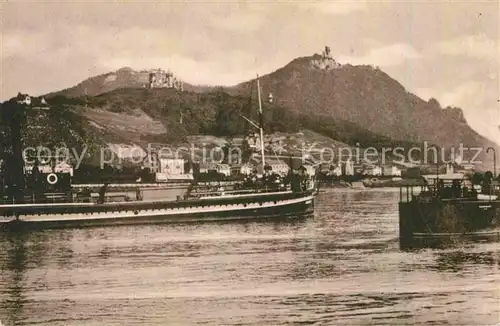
pixel 296 200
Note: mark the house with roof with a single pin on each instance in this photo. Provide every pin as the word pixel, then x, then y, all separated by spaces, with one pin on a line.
pixel 24 99
pixel 246 169
pixel 50 166
pixel 172 166
pixel 204 167
pixel 166 167
pixel 335 170
pixel 235 169
pixel 278 166
pixel 391 171
pixel 348 167
pixel 373 170
pixel 468 166
pixel 310 170
pixel 324 168
pixel 63 167
pixel 224 169
pixel 358 168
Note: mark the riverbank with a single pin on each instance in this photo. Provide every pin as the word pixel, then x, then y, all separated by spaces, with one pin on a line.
pixel 392 183
pixel 334 184
pixel 369 183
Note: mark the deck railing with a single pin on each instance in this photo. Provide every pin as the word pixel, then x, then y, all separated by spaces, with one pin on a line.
pixel 408 193
pixel 246 190
pixel 55 197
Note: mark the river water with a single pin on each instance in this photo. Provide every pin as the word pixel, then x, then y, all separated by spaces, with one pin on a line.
pixel 342 267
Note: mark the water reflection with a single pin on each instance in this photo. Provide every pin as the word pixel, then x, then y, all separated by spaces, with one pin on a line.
pixel 13 268
pixel 459 260
pixel 341 267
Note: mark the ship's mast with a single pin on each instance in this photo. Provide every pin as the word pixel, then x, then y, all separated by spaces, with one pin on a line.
pixel 261 125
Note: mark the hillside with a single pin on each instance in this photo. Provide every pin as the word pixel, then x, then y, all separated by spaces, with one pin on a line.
pixel 54 127
pixel 350 104
pixel 368 98
pixel 126 118
pixel 122 78
pixel 218 113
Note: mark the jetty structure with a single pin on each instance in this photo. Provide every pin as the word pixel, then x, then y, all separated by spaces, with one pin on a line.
pixel 29 202
pixel 449 208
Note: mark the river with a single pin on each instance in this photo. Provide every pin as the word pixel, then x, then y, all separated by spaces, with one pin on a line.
pixel 342 267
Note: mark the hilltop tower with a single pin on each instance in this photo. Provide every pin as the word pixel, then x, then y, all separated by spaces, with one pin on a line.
pixel 325 60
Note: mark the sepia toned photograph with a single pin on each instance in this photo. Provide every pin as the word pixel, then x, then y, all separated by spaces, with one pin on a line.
pixel 250 163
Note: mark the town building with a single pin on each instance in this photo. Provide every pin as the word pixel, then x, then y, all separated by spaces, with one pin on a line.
pixel 152 163
pixel 253 141
pixel 167 168
pixel 63 167
pixel 279 167
pixel 358 168
pixel 50 166
pixel 310 170
pixel 468 166
pixel 204 167
pixel 450 169
pixel 336 170
pixel 235 169
pixel 172 166
pixel 348 167
pixel 373 171
pixel 391 171
pixel 224 169
pixel 24 99
pixel 246 169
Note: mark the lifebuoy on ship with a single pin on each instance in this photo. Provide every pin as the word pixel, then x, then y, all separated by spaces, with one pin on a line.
pixel 52 178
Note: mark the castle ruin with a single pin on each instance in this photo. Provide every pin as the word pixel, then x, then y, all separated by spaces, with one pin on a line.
pixel 325 62
pixel 159 78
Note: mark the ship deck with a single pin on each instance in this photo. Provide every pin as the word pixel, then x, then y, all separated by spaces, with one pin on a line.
pixel 221 200
pixel 223 208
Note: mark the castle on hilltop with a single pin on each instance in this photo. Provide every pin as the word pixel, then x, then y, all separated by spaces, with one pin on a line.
pixel 325 62
pixel 159 78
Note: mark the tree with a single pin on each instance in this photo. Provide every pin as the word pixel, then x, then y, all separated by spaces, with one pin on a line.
pixel 13 115
pixel 477 179
pixel 228 121
pixel 487 178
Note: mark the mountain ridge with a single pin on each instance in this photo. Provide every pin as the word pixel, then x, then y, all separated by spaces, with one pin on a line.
pixel 361 95
pixel 370 98
pixel 125 77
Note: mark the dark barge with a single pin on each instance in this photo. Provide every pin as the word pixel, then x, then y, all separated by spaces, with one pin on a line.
pixel 448 209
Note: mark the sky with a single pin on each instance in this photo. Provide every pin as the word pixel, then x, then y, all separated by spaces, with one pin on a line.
pixel 448 50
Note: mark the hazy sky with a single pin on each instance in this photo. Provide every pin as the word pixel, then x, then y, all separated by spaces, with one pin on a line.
pixel 448 50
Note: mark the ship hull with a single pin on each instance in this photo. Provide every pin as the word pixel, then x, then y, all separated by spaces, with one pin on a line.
pixel 210 209
pixel 436 223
